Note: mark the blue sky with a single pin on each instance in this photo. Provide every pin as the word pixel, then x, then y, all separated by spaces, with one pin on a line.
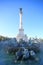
pixel 32 17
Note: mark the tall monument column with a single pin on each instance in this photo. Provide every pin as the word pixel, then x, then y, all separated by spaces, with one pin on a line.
pixel 21 30
pixel 21 25
pixel 21 34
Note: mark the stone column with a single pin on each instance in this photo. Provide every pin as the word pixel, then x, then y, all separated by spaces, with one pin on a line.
pixel 21 27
